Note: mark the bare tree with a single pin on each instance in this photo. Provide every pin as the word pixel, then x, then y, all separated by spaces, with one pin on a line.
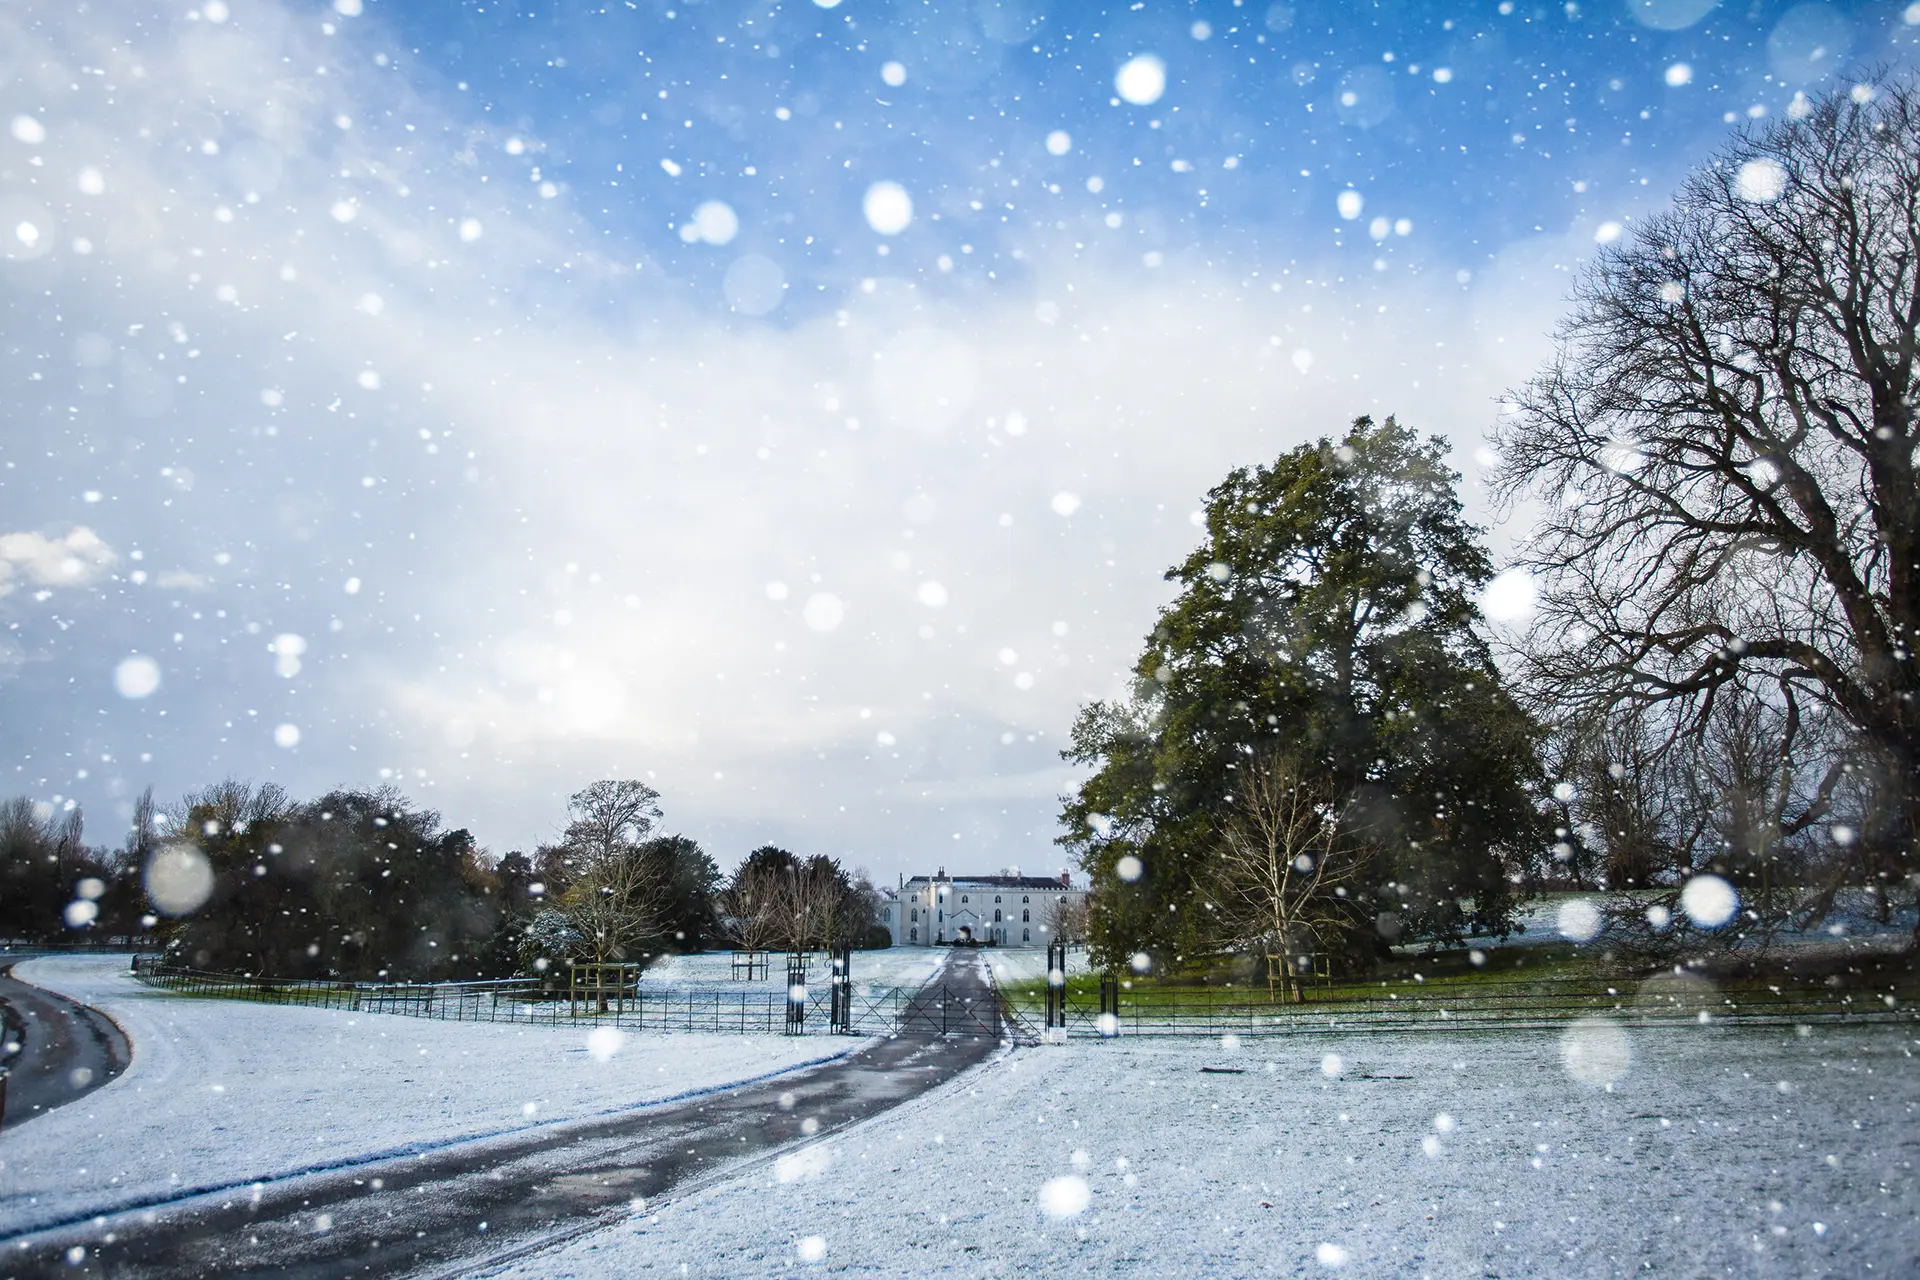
pixel 813 898
pixel 750 909
pixel 778 900
pixel 1765 796
pixel 1068 919
pixel 615 898
pixel 1725 446
pixel 1632 796
pixel 143 832
pixel 1280 858
pixel 860 909
pixel 1628 809
pixel 609 815
pixel 615 906
pixel 230 805
pixel 794 908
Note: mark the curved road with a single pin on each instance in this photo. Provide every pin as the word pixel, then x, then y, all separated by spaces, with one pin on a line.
pixel 66 1050
pixel 448 1211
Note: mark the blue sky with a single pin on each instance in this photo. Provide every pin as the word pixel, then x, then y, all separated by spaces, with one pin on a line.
pixel 1479 123
pixel 794 406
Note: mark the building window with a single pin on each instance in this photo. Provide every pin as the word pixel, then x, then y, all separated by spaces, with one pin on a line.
pixel 913 935
pixel 886 913
pixel 916 913
pixel 1026 935
pixel 1025 915
pixel 996 897
pixel 1024 898
pixel 963 897
pixel 996 915
pixel 943 918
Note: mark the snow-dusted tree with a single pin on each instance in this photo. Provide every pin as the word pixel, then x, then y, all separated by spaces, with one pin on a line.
pixel 1725 448
pixel 547 943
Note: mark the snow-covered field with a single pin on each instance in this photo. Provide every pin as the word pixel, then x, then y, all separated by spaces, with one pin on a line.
pixel 1716 1152
pixel 223 1092
pixel 888 967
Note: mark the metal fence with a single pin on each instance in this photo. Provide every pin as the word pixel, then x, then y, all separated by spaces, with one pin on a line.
pixel 841 1005
pixel 1119 1010
pixel 824 1008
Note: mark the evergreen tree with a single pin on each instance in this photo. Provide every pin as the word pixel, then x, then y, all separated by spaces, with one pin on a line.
pixel 1328 617
pixel 355 884
pixel 689 881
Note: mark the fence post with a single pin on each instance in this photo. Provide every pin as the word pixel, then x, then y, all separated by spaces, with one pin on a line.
pixel 796 994
pixel 1056 1032
pixel 840 1013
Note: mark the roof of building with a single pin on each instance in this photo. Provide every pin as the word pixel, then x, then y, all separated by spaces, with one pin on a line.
pixel 994 882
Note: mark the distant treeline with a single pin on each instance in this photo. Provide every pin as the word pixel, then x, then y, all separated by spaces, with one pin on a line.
pixel 361 884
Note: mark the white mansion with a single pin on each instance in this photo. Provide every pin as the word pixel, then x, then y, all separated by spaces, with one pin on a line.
pixel 1002 911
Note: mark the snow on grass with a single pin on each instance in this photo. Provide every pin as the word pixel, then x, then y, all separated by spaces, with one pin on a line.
pixel 888 967
pixel 1853 925
pixel 1014 967
pixel 1717 1151
pixel 223 1092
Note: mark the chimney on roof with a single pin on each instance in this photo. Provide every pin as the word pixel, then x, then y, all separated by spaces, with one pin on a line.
pixel 1066 879
pixel 940 874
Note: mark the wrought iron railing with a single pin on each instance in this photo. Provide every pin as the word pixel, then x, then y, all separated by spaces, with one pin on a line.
pixel 1091 1006
pixel 1115 1008
pixel 846 1007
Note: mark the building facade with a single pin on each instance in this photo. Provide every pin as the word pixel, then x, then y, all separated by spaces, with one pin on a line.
pixel 1000 911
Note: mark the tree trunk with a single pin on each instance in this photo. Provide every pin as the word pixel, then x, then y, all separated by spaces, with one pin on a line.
pixel 1909 855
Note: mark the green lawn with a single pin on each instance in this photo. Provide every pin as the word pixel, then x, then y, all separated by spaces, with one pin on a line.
pixel 1549 981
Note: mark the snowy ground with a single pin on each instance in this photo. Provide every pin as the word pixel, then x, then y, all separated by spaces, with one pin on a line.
pixel 888 967
pixel 223 1092
pixel 1717 1152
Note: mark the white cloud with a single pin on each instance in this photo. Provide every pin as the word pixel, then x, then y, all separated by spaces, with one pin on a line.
pixel 74 559
pixel 576 464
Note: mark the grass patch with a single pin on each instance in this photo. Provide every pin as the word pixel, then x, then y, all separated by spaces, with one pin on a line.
pixel 1550 981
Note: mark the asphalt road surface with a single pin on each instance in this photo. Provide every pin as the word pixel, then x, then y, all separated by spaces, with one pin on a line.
pixel 66 1050
pixel 454 1210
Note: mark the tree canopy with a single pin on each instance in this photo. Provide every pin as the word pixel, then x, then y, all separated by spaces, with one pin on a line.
pixel 1329 616
pixel 1724 448
pixel 778 900
pixel 353 884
